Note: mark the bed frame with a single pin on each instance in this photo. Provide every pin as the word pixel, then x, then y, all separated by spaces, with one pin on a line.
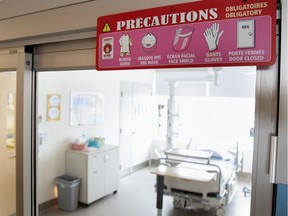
pixel 194 182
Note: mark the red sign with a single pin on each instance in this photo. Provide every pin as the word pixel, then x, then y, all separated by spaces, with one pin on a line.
pixel 197 34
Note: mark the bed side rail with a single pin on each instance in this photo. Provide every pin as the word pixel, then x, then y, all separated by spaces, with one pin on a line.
pixel 174 162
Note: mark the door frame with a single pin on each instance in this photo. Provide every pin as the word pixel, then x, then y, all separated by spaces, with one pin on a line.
pixel 281 170
pixel 70 56
pixel 25 108
pixel 18 60
pixel 266 119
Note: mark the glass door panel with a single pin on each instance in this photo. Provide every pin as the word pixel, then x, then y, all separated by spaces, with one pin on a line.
pixel 7 143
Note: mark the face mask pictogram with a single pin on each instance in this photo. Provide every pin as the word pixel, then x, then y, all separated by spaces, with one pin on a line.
pixel 149 43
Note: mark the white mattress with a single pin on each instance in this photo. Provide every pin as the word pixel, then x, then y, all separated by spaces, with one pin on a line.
pixel 226 168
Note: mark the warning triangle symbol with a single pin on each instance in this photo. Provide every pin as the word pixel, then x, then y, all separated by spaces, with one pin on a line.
pixel 106 28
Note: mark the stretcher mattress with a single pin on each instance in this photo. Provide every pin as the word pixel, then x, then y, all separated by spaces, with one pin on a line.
pixel 202 179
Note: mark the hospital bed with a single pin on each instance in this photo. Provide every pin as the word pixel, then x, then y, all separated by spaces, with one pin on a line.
pixel 196 179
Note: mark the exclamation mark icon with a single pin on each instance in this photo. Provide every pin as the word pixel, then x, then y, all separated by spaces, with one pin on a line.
pixel 106 28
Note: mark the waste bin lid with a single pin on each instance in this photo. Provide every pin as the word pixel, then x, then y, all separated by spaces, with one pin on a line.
pixel 67 178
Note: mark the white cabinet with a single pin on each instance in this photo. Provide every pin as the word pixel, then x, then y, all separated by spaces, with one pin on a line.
pixel 98 171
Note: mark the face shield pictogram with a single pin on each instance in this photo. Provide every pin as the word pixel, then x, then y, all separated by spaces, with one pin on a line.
pixel 182 39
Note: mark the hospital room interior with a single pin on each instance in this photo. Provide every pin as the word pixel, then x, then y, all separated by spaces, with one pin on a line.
pixel 145 115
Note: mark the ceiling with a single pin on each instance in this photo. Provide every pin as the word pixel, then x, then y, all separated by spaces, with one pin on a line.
pixel 12 8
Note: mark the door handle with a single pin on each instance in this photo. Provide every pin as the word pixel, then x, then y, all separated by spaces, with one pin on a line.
pixel 273 158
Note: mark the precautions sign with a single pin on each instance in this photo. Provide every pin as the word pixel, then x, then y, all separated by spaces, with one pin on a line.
pixel 197 34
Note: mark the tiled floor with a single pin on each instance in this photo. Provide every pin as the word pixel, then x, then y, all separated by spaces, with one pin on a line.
pixel 136 197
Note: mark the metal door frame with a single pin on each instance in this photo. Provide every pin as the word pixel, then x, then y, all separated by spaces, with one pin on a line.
pixel 58 56
pixel 18 60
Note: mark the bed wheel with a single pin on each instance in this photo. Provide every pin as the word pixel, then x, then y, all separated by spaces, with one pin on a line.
pixel 220 211
pixel 177 203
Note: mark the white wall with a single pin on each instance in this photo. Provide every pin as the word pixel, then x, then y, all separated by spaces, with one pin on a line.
pixel 231 82
pixel 51 160
pixel 218 121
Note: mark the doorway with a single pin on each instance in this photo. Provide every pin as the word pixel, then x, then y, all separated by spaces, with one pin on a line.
pixel 8 143
pixel 56 135
pixel 266 103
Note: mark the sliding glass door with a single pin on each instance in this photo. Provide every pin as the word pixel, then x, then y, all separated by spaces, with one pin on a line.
pixel 15 132
pixel 7 143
